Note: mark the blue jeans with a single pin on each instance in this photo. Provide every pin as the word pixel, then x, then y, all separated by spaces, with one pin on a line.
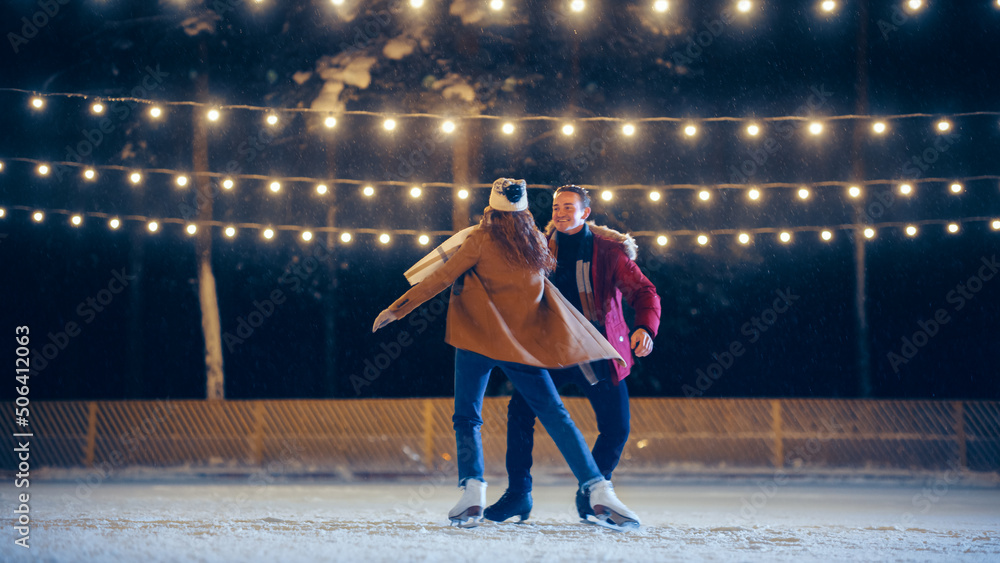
pixel 472 372
pixel 610 404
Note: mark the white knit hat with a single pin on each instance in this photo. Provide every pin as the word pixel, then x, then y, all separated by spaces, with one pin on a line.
pixel 509 194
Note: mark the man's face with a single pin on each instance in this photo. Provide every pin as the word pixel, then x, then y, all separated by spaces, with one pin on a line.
pixel 568 213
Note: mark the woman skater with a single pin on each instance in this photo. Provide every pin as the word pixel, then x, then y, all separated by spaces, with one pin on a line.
pixel 505 313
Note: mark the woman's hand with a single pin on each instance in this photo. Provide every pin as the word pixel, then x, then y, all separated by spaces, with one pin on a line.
pixel 383 318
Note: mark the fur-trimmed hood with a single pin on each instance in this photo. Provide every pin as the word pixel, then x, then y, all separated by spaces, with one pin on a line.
pixel 626 241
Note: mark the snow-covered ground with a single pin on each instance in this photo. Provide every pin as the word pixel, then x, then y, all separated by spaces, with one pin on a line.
pixel 726 519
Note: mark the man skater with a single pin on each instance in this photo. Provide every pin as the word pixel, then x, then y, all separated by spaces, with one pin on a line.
pixel 595 267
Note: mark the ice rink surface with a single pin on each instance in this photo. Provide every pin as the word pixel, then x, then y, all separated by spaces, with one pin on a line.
pixel 256 518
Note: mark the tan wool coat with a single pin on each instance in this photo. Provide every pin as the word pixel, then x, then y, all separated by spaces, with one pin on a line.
pixel 506 312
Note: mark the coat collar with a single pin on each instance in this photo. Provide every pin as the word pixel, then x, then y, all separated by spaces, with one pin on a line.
pixel 627 243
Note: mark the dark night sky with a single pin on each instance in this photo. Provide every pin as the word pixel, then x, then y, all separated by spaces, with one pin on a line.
pixel 145 341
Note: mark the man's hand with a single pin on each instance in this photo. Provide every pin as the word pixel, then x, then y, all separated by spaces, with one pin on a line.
pixel 642 344
pixel 383 318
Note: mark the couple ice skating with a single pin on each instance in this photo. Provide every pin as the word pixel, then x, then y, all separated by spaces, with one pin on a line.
pixel 505 313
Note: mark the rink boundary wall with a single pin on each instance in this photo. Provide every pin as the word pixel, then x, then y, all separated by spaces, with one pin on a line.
pixel 398 437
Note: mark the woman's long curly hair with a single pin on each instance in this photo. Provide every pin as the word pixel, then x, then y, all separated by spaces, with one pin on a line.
pixel 521 241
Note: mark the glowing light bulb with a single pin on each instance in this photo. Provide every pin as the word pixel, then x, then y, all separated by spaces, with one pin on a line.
pixel 43 169
pixel 704 195
pixel 828 6
pixel 155 112
pixel 345 237
pixel 690 130
pixel 368 191
pixel 826 235
pixel 577 5
pixel 914 5
pixel 384 238
pixel 228 184
pixel 952 228
pixel 268 233
pixel 97 108
pixel 38 216
pixel 417 3
pixel 702 240
pixel 754 194
pixel 76 220
pixel 389 124
pixel 815 128
pixel 1 165
pixel 943 126
pixel 869 233
pixel 606 195
pixel 307 236
pixel 463 194
pixel 330 122
pixel 911 231
pixel 743 238
pixel 905 189
pixel 744 6
pixel 182 181
pixel 448 126
pixel 507 128
pixel 214 115
pixel 996 222
pixel 37 103
pixel 496 5
pixel 854 191
pixel 423 240
pixel 275 187
pixel 415 192
pixel 753 130
pixel 628 129
pixel 272 119
pixel 956 188
pixel 655 196
pixel 153 226
pixel 568 129
pixel 661 6
pixel 191 229
pixel 135 177
pixel 661 240
pixel 321 189
pixel 785 237
pixel 230 231
pixel 803 193
pixel 114 224
pixel 3 212
pixel 879 127
pixel 90 174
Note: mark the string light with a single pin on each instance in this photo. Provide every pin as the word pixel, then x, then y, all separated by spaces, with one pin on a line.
pixel 135 177
pixel 321 189
pixel 153 226
pixel 182 181
pixel 879 127
pixel 114 223
pixel 307 236
pixel 743 238
pixel 417 4
pixel 368 191
pixel 3 212
pixel 38 216
pixel 815 128
pixel 744 6
pixel 690 130
pixel 577 5
pixel 384 238
pixel 606 195
pixel 268 233
pixel 914 5
pixel 155 112
pixel 869 233
pixel 76 220
pixel 905 189
pixel 996 223
pixel 90 174
pixel 97 108
pixel 803 193
pixel 389 124
pixel 854 191
pixel 345 237
pixel 1 165
pixel 272 120
pixel 43 169
pixel 753 129
pixel 448 126
pixel 628 129
pixel 496 5
pixel 567 129
pixel 330 122
pixel 191 229
pixel 230 231
pixel 214 115
pixel 37 103
pixel 943 126
pixel 507 128
pixel 704 195
pixel 785 237
pixel 702 240
pixel 956 188
pixel 911 231
pixel 753 194
pixel 228 184
pixel 463 194
pixel 661 6
pixel 655 195
pixel 423 240
pixel 826 235
pixel 661 240
pixel 415 192
pixel 952 228
pixel 828 6
pixel 275 187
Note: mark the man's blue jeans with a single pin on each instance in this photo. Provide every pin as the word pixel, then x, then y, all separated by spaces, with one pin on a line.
pixel 610 403
pixel 472 372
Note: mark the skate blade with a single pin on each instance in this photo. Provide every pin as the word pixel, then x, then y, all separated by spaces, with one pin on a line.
pixel 613 521
pixel 470 522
